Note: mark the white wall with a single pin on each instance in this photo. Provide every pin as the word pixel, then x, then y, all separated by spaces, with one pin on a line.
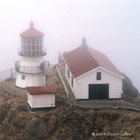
pixel 31 64
pixel 81 85
pixel 43 100
pixel 30 80
pixel 31 61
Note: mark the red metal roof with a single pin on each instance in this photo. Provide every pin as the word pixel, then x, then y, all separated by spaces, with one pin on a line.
pixel 84 59
pixel 40 90
pixel 31 32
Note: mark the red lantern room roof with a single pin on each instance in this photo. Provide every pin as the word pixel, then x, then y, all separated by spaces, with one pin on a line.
pixel 31 32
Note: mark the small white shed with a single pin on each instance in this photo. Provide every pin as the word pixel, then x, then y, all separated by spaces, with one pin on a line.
pixel 41 98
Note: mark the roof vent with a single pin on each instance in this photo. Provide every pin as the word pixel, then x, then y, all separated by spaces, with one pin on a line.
pixel 31 24
pixel 84 45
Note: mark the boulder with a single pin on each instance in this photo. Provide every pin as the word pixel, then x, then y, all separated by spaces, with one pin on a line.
pixel 21 119
pixel 36 128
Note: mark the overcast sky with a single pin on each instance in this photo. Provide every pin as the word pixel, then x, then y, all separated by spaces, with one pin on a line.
pixel 110 26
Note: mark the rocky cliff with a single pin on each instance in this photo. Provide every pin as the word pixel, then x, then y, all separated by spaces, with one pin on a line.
pixel 64 122
pixel 128 88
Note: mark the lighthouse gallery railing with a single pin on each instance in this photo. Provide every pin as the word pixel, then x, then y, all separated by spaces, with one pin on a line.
pixel 26 69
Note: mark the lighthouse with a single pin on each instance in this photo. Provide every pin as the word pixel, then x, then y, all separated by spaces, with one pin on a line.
pixel 31 67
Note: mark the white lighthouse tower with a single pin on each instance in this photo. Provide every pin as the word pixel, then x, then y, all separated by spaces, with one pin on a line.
pixel 31 68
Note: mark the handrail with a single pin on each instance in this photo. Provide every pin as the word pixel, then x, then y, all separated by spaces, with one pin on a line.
pixel 27 69
pixel 62 82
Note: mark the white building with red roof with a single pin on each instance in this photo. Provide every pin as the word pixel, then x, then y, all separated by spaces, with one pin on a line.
pixel 41 98
pixel 31 66
pixel 91 75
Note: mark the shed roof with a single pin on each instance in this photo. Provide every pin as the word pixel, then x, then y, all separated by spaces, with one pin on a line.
pixel 36 90
pixel 84 59
pixel 31 32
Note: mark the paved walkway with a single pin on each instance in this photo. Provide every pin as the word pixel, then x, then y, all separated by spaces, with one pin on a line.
pixel 107 103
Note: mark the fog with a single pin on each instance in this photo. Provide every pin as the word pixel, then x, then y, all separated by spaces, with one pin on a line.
pixel 110 26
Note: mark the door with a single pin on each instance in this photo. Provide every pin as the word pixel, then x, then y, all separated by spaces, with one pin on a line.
pixel 98 91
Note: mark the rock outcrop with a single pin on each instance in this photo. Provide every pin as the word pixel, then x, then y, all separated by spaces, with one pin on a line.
pixel 128 88
pixel 65 123
pixel 17 122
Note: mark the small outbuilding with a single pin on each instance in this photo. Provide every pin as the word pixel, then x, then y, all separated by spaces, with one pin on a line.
pixel 91 75
pixel 41 98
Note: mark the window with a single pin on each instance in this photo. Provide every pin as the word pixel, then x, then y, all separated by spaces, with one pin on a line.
pixel 29 47
pixel 23 77
pixel 29 41
pixel 37 40
pixel 33 47
pixel 98 76
pixel 37 47
pixel 71 80
pixel 33 40
pixel 25 40
pixel 68 73
pixel 40 40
